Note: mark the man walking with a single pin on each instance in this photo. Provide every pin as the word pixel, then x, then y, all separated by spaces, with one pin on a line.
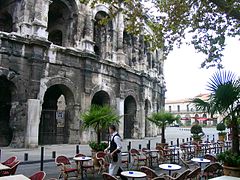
pixel 115 147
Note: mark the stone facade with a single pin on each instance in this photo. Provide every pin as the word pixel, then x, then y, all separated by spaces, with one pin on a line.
pixel 56 60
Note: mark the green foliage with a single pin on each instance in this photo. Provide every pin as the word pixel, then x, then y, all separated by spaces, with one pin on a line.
pixel 221 127
pixel 98 147
pixel 207 22
pixel 229 159
pixel 162 118
pixel 196 129
pixel 99 118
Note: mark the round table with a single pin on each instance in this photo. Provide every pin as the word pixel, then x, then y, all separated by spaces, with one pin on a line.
pixel 170 167
pixel 200 161
pixel 133 174
pixel 79 161
pixel 124 154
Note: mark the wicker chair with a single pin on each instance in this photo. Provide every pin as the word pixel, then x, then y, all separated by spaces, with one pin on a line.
pixel 103 160
pixel 87 165
pixel 195 174
pixel 138 159
pixel 149 172
pixel 9 161
pixel 12 170
pixel 40 175
pixel 107 176
pixel 212 170
pixel 181 176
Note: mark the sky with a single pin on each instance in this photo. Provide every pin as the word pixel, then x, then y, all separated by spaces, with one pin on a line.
pixel 183 75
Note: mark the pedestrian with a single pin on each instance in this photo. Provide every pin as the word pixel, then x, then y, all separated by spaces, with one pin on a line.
pixel 115 146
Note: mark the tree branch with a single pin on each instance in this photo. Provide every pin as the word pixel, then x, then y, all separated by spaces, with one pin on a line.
pixel 224 6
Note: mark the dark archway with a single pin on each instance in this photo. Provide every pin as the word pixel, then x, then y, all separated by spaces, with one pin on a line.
pixel 147 109
pixel 53 128
pixel 102 98
pixel 130 108
pixel 6 89
pixel 7 11
pixel 62 22
pixel 103 35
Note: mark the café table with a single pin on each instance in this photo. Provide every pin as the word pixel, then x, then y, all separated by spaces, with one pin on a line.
pixel 80 161
pixel 200 161
pixel 124 154
pixel 225 178
pixel 14 177
pixel 133 174
pixel 170 167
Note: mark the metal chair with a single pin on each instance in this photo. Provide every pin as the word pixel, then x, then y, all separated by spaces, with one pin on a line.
pixel 9 161
pixel 12 170
pixel 87 165
pixel 65 167
pixel 212 170
pixel 195 174
pixel 40 175
pixel 103 160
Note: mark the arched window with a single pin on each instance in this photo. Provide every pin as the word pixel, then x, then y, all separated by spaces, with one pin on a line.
pixel 55 37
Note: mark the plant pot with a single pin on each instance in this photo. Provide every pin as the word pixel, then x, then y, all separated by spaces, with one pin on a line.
pixel 231 171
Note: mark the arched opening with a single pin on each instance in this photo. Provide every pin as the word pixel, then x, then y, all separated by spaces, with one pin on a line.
pixel 6 89
pixel 130 108
pixel 147 109
pixel 127 47
pixel 103 36
pixel 55 37
pixel 102 98
pixel 61 19
pixel 54 118
pixel 7 10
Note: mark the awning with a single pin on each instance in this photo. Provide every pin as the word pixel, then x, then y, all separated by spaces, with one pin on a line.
pixel 185 118
pixel 202 119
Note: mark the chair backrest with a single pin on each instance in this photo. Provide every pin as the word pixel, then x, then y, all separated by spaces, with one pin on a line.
pixel 62 160
pixel 107 176
pixel 149 172
pixel 159 178
pixel 40 175
pixel 80 155
pixel 184 175
pixel 184 163
pixel 195 173
pixel 210 157
pixel 13 169
pixel 100 155
pixel 213 168
pixel 10 160
pixel 134 152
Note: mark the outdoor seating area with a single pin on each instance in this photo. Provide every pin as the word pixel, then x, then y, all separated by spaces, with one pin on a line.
pixel 188 160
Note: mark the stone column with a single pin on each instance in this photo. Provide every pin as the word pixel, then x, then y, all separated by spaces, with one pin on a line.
pixel 40 21
pixel 120 109
pixel 33 110
pixel 74 135
pixel 120 54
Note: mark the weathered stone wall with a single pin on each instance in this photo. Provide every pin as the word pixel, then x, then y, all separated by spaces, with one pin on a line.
pixel 42 71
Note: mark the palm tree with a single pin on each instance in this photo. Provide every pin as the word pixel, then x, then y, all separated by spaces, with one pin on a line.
pixel 99 118
pixel 162 119
pixel 224 99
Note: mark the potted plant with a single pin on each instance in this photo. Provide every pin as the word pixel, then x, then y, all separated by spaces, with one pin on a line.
pixel 162 119
pixel 197 133
pixel 221 127
pixel 224 100
pixel 231 163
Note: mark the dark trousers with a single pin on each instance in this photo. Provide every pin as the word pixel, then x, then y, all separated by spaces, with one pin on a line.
pixel 121 176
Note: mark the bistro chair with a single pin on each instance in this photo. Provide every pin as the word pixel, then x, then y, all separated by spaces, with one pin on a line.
pixel 164 154
pixel 195 174
pixel 151 156
pixel 159 178
pixel 10 160
pixel 181 176
pixel 212 158
pixel 103 160
pixel 107 176
pixel 87 165
pixel 65 167
pixel 188 164
pixel 12 169
pixel 212 170
pixel 149 172
pixel 138 159
pixel 40 175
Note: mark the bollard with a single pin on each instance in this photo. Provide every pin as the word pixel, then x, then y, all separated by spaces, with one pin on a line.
pixel 54 154
pixel 0 155
pixel 171 143
pixel 129 148
pixel 190 139
pixel 207 138
pixel 42 156
pixel 177 142
pixel 183 140
pixel 149 144
pixel 77 149
pixel 213 138
pixel 140 146
pixel 187 139
pixel 25 156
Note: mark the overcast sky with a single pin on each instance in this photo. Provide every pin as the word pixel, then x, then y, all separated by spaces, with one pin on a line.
pixel 183 75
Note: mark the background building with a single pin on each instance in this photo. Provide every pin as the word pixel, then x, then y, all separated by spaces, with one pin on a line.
pixel 188 113
pixel 56 60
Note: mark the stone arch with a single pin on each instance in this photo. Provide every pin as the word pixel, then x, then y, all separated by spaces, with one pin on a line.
pixel 103 35
pixel 147 110
pixel 101 98
pixel 62 17
pixel 130 109
pixel 8 11
pixel 54 123
pixel 7 93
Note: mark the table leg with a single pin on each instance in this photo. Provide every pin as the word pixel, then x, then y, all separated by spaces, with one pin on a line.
pixel 81 165
pixel 170 173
